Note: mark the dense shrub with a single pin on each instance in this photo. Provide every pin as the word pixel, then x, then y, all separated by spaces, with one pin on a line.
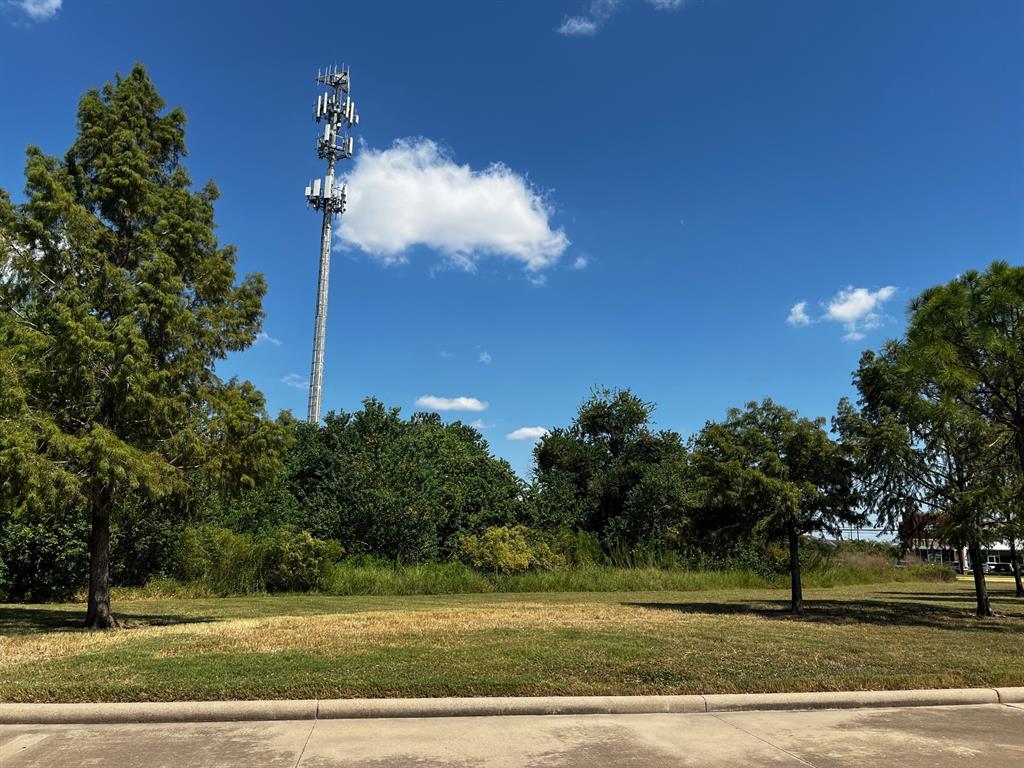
pixel 610 473
pixel 227 562
pixel 219 558
pixel 766 559
pixel 402 489
pixel 870 546
pixel 43 560
pixel 847 568
pixel 257 511
pixel 576 547
pixel 647 554
pixel 294 561
pixel 143 540
pixel 501 549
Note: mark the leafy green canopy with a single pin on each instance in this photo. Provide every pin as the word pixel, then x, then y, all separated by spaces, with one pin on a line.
pixel 117 300
pixel 924 462
pixel 609 473
pixel 768 471
pixel 967 339
pixel 939 438
pixel 397 488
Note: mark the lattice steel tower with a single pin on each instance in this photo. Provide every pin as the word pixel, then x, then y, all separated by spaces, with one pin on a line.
pixel 338 113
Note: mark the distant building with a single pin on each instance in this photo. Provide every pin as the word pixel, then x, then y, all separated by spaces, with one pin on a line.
pixel 937 551
pixel 917 540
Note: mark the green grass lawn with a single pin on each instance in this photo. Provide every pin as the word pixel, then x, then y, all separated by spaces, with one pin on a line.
pixel 900 635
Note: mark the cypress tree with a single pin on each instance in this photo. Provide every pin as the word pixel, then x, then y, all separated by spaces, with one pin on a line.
pixel 116 301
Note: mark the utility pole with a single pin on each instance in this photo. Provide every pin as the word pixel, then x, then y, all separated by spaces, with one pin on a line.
pixel 338 113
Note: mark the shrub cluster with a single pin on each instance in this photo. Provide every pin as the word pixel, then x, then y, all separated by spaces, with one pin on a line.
pixel 226 562
pixel 42 561
pixel 501 549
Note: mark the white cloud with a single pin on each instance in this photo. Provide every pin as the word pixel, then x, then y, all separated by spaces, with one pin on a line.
pixel 580 262
pixel 577 25
pixel 485 357
pixel 858 309
pixel 798 315
pixel 296 381
pixel 589 22
pixel 446 354
pixel 856 304
pixel 478 424
pixel 264 336
pixel 434 403
pixel 600 11
pixel 38 10
pixel 527 433
pixel 415 194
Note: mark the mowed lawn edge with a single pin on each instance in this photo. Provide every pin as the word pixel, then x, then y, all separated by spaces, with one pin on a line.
pixel 883 636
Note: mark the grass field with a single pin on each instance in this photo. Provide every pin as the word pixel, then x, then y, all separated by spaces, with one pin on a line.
pixel 899 635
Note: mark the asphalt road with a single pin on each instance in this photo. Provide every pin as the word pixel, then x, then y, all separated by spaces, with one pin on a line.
pixel 909 737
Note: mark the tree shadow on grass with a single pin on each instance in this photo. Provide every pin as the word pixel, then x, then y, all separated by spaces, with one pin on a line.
pixel 874 612
pixel 17 620
pixel 966 597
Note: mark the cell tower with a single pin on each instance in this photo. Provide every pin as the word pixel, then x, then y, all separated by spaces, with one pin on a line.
pixel 338 113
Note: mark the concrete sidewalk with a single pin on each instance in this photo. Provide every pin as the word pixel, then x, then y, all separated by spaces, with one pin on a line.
pixel 990 734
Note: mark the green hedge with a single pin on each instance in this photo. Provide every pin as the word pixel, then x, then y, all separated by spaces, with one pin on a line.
pixel 43 561
pixel 516 549
pixel 226 562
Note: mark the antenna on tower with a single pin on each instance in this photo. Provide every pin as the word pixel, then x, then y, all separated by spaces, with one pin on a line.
pixel 335 143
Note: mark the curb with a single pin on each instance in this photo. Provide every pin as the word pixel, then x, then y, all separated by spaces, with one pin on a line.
pixel 1011 695
pixel 334 709
pixel 741 702
pixel 157 712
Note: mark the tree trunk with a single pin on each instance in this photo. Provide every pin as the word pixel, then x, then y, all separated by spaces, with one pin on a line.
pixel 98 615
pixel 1019 441
pixel 1016 566
pixel 980 588
pixel 797 590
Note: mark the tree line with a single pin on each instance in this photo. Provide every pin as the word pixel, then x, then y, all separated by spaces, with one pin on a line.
pixel 117 436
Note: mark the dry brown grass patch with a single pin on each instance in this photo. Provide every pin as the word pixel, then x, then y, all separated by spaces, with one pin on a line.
pixel 339 632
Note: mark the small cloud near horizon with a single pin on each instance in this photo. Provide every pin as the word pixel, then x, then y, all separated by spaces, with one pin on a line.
pixel 527 433
pixel 295 381
pixel 264 336
pixel 435 403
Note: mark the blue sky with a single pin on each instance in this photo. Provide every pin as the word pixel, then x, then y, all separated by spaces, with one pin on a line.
pixel 709 202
